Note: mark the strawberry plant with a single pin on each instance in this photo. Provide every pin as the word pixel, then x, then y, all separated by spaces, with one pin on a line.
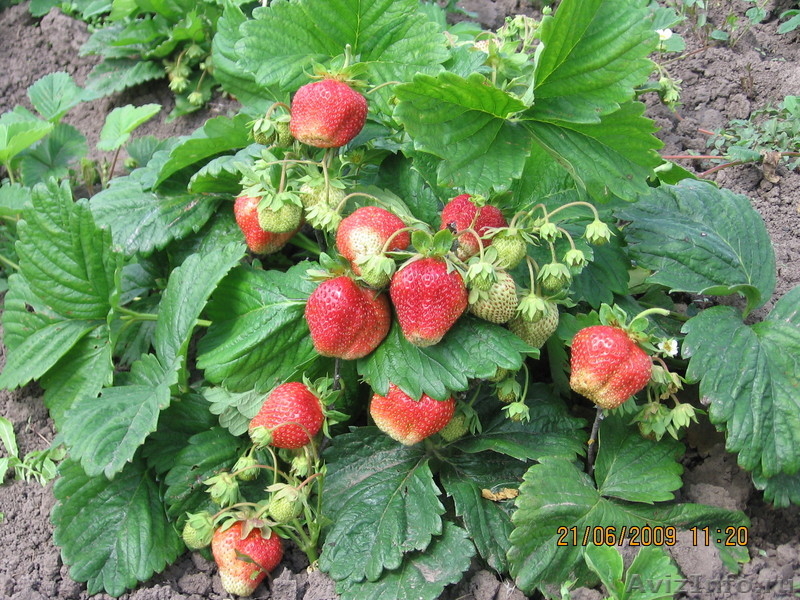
pixel 503 195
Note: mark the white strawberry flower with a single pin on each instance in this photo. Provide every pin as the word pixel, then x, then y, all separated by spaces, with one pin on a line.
pixel 664 34
pixel 668 347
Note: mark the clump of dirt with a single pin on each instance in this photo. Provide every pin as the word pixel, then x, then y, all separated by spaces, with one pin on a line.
pixel 719 83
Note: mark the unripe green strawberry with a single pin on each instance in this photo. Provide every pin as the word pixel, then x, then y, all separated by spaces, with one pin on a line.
pixel 407 420
pixel 536 333
pixel 311 195
pixel 511 248
pixel 284 219
pixel 197 530
pixel 499 304
pixel 327 114
pixel 245 467
pixel 283 510
pixel 455 429
pixel 263 554
pixel 607 366
pixel 508 390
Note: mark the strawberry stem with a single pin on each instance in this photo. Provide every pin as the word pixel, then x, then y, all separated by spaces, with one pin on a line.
pixel 389 241
pixel 576 203
pixel 533 270
pixel 274 106
pixel 651 311
pixel 591 453
pixel 9 263
pixel 384 84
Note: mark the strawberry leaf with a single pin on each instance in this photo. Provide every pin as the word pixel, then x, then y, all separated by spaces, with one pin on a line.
pixel 390 37
pixel 556 496
pixel 613 157
pixel 55 94
pixel 187 291
pixel 701 239
pixel 625 457
pixel 781 490
pixel 104 432
pixel 112 534
pixel 383 502
pixel 206 454
pixel 472 349
pixel 594 54
pixel 466 123
pixel 259 336
pixel 143 221
pixel 52 157
pixel 488 523
pixel 423 575
pixel 748 374
pixel 121 121
pixel 551 430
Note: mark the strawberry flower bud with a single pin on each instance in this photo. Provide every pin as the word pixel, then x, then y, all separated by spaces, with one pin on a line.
pixel 223 489
pixel 518 411
pixel 554 277
pixel 597 233
pixel 575 258
pixel 549 232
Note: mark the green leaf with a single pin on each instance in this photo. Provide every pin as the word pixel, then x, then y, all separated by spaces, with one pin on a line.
pixel 398 174
pixel 217 135
pixel 701 239
pixel 625 459
pixel 551 430
pixel 466 123
pixel 604 276
pixel 104 432
pixel 556 496
pixel 186 416
pixel 258 336
pixel 40 351
pixel 235 409
pixel 61 149
pixel 65 257
pixel 19 135
pixel 79 373
pixel 116 74
pixel 607 562
pixel 594 55
pixel 488 523
pixel 143 221
pixel 14 197
pixel 383 502
pixel 614 157
pixel 392 39
pixel 235 79
pixel 749 375
pixel 121 122
pixel 472 349
pixel 423 575
pixel 187 291
pixel 653 566
pixel 781 490
pixel 55 94
pixel 112 534
pixel 205 454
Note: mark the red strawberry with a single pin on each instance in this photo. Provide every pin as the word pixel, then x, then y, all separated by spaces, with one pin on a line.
pixel 364 232
pixel 410 421
pixel 241 577
pixel 290 416
pixel 608 367
pixel 427 299
pixel 327 114
pixel 346 320
pixel 257 240
pixel 462 213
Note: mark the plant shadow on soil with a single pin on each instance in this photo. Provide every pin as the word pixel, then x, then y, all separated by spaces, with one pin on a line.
pixel 719 83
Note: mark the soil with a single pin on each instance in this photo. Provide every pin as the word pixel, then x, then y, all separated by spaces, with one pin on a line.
pixel 719 83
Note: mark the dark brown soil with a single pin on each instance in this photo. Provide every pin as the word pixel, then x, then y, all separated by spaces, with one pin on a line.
pixel 719 83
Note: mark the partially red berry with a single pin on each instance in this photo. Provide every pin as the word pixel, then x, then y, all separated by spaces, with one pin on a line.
pixel 257 240
pixel 427 299
pixel 241 577
pixel 608 367
pixel 327 114
pixel 346 320
pixel 290 416
pixel 407 420
pixel 462 213
pixel 364 232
